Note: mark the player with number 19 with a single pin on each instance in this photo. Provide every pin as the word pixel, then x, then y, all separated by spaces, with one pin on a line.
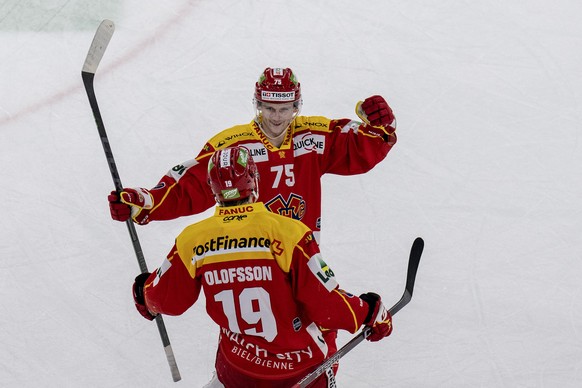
pixel 265 284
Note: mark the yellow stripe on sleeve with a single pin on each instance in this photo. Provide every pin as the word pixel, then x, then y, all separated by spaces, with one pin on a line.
pixel 356 326
pixel 163 198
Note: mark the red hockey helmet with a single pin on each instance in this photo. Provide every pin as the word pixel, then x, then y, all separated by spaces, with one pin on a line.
pixel 277 85
pixel 233 175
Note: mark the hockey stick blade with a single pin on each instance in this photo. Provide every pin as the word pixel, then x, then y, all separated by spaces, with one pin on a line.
pixel 94 56
pixel 413 261
pixel 98 46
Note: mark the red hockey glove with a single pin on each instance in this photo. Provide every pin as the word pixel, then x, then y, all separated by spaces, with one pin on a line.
pixel 377 114
pixel 138 297
pixel 140 203
pixel 378 318
pixel 119 211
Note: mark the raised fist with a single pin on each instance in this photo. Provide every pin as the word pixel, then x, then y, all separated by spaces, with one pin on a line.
pixel 375 111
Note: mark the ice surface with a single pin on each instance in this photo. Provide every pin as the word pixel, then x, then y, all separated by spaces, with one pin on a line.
pixel 487 170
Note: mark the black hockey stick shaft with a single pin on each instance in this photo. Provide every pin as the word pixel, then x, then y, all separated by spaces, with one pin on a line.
pixel 413 261
pixel 96 51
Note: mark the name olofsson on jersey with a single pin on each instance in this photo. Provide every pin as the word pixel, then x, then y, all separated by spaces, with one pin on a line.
pixel 238 274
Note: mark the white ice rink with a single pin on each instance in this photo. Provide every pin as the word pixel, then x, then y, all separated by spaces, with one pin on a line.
pixel 487 169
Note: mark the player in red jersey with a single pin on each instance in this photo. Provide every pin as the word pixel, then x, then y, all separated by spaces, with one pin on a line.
pixel 292 152
pixel 265 284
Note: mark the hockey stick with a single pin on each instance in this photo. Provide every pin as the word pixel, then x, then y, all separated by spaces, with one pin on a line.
pixel 96 51
pixel 413 261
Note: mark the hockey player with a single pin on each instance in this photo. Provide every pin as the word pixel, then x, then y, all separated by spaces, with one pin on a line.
pixel 292 152
pixel 265 284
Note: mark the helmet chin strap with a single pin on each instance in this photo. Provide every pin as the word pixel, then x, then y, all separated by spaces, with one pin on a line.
pixel 275 138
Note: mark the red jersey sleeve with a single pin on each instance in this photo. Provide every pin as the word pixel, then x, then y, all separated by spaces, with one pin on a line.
pixel 350 150
pixel 171 289
pixel 183 191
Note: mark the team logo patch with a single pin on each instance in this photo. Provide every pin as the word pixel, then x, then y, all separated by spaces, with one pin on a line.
pixel 322 271
pixel 294 207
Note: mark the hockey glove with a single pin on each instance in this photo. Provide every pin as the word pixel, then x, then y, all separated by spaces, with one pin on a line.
pixel 135 203
pixel 378 319
pixel 378 116
pixel 138 297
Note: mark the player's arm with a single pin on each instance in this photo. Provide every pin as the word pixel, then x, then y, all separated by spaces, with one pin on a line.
pixel 355 147
pixel 182 191
pixel 378 118
pixel 326 304
pixel 169 290
pixel 317 290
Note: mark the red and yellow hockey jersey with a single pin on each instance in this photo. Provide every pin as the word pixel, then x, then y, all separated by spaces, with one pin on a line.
pixel 265 284
pixel 290 176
